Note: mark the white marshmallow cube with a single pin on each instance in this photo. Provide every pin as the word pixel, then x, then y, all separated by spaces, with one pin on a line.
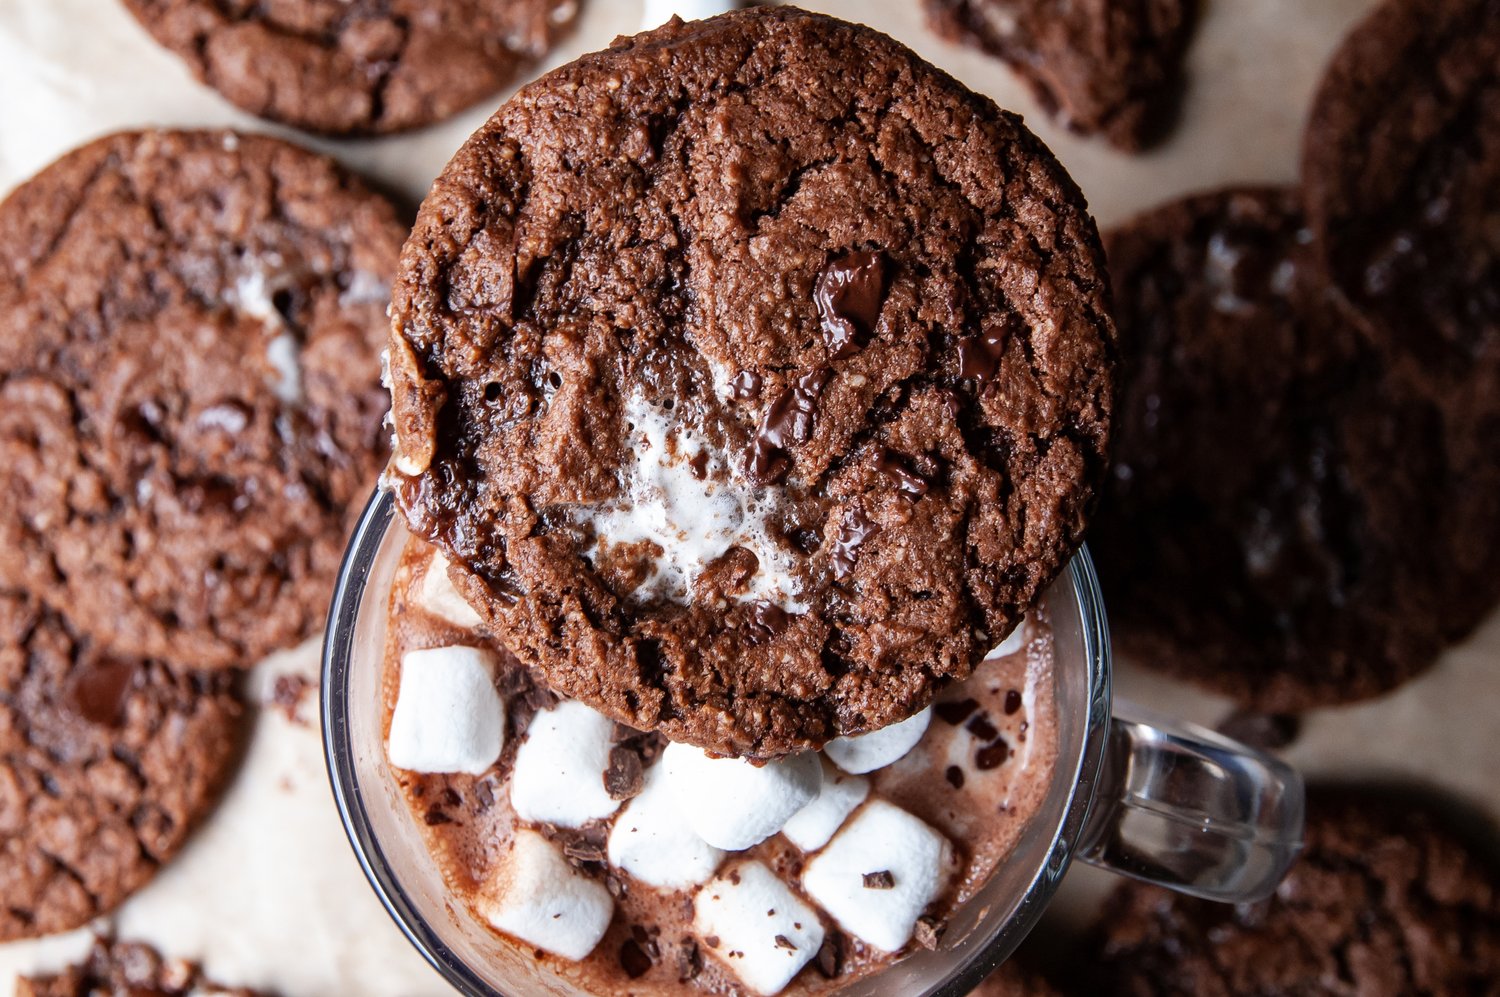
pixel 652 842
pixel 880 838
pixel 733 804
pixel 765 933
pixel 439 596
pixel 538 897
pixel 559 773
pixel 879 748
pixel 815 823
pixel 659 12
pixel 1010 645
pixel 449 716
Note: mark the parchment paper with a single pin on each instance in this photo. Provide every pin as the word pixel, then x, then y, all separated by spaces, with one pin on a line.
pixel 268 893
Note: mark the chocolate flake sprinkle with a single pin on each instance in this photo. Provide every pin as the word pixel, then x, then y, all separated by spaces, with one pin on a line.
pixel 955 776
pixel 625 775
pixel 633 959
pixel 992 756
pixel 849 296
pixel 882 880
pixel 982 729
pixel 783 942
pixel 830 959
pixel 689 961
pixel 1012 701
pixel 928 932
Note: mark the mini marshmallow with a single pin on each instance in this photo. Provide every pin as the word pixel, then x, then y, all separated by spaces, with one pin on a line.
pixel 879 748
pixel 652 842
pixel 815 823
pixel 765 933
pixel 449 717
pixel 440 597
pixel 881 838
pixel 559 773
pixel 538 897
pixel 659 12
pixel 735 805
pixel 1010 645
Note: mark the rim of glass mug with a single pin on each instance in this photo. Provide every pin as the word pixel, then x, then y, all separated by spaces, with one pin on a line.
pixel 1236 845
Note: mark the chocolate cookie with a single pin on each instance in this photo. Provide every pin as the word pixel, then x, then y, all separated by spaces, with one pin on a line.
pixel 1256 537
pixel 1402 172
pixel 1098 66
pixel 128 969
pixel 760 396
pixel 189 399
pixel 1385 900
pixel 1013 979
pixel 356 66
pixel 106 764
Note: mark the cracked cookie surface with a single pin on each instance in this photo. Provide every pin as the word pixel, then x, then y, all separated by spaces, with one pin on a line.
pixel 1097 66
pixel 756 374
pixel 106 765
pixel 190 407
pixel 1385 899
pixel 356 66
pixel 1254 537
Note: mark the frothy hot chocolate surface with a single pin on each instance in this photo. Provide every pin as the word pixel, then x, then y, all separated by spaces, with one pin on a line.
pixel 578 840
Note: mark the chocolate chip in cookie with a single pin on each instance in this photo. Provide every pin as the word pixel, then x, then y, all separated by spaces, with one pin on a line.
pixel 190 408
pixel 108 763
pixel 1098 66
pixel 356 66
pixel 756 400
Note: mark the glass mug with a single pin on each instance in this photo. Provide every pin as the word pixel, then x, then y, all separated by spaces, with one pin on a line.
pixel 1144 796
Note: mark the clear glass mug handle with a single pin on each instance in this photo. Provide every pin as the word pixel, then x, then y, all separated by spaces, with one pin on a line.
pixel 1192 810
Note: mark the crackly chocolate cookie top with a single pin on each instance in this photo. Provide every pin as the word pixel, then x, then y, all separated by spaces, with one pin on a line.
pixel 106 763
pixel 757 374
pixel 1402 171
pixel 190 327
pixel 1099 66
pixel 1386 899
pixel 356 66
pixel 1256 536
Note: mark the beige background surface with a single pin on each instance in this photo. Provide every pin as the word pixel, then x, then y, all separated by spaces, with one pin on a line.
pixel 268 893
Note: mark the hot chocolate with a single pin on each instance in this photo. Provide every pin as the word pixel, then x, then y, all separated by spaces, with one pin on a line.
pixel 624 862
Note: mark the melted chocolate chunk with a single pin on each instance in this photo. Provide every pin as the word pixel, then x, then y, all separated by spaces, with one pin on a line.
pixel 849 296
pixel 896 466
pixel 852 532
pixel 1012 701
pixel 882 880
pixel 625 775
pixel 830 958
pixel 979 356
pixel 767 620
pixel 788 421
pixel 992 756
pixel 746 386
pixel 98 693
pixel 955 713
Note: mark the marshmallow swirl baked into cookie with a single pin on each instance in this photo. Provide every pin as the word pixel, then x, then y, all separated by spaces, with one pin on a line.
pixel 755 375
